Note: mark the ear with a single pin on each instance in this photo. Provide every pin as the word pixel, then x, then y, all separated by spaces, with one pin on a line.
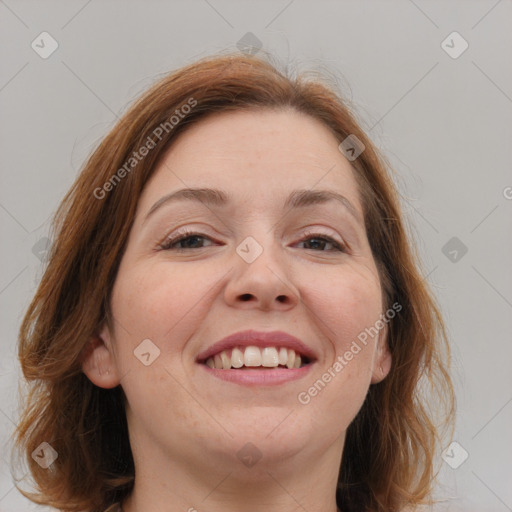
pixel 383 359
pixel 98 362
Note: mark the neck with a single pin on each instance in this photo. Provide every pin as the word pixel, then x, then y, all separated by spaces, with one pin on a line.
pixel 303 482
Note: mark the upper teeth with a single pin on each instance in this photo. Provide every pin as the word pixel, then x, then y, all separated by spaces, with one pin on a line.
pixel 270 357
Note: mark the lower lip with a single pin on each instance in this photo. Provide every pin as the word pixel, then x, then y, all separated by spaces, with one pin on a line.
pixel 254 377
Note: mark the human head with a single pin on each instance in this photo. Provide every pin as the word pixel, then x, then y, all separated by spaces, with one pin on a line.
pixel 93 226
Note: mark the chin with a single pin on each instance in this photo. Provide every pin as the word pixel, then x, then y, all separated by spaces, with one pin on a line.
pixel 278 433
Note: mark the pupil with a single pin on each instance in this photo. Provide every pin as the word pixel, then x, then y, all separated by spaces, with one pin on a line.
pixel 188 240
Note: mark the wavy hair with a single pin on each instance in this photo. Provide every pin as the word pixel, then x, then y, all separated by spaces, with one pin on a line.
pixel 388 461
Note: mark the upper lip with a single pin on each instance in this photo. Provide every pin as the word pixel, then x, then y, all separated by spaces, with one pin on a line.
pixel 257 339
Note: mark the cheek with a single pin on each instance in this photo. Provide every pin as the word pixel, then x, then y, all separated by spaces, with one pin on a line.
pixel 158 303
pixel 346 303
pixel 153 301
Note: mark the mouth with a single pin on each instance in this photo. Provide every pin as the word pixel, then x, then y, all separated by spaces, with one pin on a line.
pixel 253 357
pixel 257 358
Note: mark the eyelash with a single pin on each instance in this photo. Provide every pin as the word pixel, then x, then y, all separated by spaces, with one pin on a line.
pixel 167 244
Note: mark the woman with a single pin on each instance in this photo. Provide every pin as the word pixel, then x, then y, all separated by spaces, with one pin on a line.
pixel 232 315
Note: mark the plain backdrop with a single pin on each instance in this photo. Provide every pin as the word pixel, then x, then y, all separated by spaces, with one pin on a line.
pixel 439 111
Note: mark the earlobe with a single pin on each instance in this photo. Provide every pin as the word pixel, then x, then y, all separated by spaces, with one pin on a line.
pixel 98 364
pixel 383 360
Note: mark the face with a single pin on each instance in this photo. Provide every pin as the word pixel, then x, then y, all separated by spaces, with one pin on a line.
pixel 197 269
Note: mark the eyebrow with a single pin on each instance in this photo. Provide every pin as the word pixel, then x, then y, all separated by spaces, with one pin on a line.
pixel 216 197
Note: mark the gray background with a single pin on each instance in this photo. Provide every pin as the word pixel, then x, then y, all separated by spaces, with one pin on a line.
pixel 444 123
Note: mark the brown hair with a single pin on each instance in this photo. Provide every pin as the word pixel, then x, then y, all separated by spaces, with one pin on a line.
pixel 390 447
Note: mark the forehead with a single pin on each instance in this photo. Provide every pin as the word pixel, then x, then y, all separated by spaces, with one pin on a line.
pixel 256 153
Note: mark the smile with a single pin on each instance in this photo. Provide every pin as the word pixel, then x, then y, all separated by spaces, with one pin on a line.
pixel 256 357
pixel 256 366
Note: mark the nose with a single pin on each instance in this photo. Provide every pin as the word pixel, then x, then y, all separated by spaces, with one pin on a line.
pixel 264 283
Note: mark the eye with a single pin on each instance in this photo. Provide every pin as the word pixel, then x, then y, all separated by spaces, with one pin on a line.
pixel 318 240
pixel 188 240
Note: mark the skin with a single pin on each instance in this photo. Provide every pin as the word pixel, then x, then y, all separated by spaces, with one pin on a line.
pixel 186 426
